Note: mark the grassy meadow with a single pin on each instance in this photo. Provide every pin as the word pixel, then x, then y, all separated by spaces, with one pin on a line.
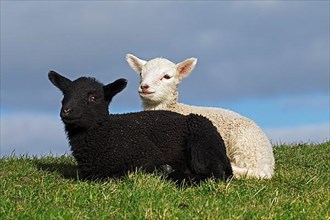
pixel 49 188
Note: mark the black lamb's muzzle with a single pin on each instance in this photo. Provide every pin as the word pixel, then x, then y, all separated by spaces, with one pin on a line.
pixel 69 115
pixel 80 121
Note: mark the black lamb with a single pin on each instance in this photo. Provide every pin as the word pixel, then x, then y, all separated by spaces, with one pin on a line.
pixel 108 146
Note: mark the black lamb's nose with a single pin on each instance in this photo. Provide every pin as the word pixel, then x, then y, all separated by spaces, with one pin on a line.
pixel 67 111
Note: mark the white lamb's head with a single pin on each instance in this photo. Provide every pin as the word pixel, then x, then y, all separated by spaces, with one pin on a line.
pixel 159 78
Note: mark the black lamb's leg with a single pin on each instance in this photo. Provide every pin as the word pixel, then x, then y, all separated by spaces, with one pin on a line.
pixel 205 149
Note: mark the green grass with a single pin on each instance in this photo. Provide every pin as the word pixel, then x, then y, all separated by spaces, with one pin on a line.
pixel 49 188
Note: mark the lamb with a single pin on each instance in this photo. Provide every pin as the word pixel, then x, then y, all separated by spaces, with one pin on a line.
pixel 248 148
pixel 110 146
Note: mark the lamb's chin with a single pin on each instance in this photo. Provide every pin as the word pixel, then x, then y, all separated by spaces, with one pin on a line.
pixel 147 96
pixel 70 121
pixel 79 126
pixel 75 123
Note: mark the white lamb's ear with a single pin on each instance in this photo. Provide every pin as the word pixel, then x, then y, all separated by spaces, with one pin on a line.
pixel 185 67
pixel 135 63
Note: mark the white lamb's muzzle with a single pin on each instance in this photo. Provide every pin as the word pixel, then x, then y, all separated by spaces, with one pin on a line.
pixel 151 98
pixel 146 91
pixel 148 96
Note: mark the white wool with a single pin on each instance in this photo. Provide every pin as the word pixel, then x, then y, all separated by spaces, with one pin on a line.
pixel 248 148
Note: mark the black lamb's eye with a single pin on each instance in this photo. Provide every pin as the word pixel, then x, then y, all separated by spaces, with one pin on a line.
pixel 92 98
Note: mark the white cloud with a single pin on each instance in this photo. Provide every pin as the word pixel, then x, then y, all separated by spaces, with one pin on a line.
pixel 318 51
pixel 32 134
pixel 316 133
pixel 264 6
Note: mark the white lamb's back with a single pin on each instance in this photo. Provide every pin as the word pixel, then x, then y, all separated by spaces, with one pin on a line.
pixel 212 111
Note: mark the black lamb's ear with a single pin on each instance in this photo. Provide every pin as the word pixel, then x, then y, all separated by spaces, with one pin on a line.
pixel 58 80
pixel 112 89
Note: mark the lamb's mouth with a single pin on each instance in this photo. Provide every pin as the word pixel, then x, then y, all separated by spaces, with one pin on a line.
pixel 146 93
pixel 69 120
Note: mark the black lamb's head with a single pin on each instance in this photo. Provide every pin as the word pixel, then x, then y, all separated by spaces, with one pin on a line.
pixel 86 101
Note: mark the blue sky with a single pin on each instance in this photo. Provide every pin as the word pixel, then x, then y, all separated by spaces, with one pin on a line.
pixel 267 60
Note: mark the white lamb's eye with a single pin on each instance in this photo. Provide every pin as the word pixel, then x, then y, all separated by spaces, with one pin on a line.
pixel 166 76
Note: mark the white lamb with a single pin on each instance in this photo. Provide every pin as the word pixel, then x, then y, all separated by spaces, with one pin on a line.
pixel 248 148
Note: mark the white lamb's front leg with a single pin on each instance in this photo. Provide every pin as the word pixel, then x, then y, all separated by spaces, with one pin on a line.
pixel 242 172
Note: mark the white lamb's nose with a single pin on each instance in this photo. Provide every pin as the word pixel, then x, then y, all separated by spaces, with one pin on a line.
pixel 144 86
